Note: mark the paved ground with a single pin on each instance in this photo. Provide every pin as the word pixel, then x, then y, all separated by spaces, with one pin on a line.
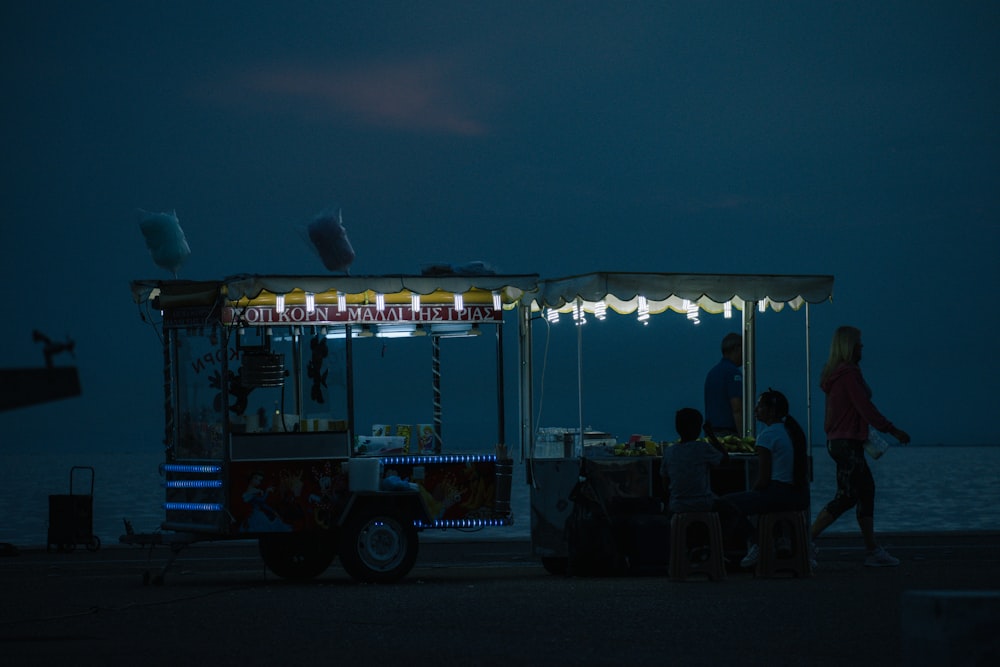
pixel 479 603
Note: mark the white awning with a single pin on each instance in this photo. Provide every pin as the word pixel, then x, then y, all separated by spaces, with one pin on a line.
pixel 178 292
pixel 621 291
pixel 250 286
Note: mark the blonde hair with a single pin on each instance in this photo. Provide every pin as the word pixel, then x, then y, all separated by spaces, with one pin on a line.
pixel 845 341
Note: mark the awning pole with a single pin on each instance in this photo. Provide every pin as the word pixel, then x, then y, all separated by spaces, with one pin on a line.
pixel 578 449
pixel 809 432
pixel 501 421
pixel 748 429
pixel 525 376
pixel 436 386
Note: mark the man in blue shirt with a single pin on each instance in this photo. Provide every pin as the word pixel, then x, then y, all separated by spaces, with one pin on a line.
pixel 724 389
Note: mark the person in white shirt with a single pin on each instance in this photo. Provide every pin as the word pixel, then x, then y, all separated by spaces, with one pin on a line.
pixel 782 476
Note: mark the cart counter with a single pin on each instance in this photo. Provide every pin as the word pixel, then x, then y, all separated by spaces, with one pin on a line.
pixel 617 480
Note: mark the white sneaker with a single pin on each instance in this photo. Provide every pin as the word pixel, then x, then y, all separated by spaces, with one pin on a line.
pixel 879 557
pixel 751 558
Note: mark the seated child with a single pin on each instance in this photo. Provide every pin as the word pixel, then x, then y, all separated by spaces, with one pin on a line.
pixel 686 465
pixel 686 471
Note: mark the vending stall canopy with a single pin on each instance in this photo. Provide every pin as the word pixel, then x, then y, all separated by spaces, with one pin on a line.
pixel 688 293
pixel 624 292
pixel 356 289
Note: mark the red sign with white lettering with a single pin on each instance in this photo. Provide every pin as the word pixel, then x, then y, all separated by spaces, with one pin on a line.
pixel 331 314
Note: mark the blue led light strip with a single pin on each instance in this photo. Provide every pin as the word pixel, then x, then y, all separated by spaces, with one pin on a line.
pixel 193 507
pixel 193 484
pixel 422 460
pixel 464 523
pixel 188 467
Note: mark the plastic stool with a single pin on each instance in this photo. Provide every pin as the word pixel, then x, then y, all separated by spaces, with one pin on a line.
pixel 795 561
pixel 681 563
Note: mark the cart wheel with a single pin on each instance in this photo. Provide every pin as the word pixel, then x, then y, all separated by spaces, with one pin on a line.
pixel 298 556
pixel 94 544
pixel 378 547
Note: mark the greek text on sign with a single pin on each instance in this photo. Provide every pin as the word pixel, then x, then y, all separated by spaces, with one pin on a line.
pixel 330 314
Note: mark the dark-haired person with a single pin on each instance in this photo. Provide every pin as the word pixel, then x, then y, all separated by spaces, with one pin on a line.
pixel 782 475
pixel 724 389
pixel 686 465
pixel 849 412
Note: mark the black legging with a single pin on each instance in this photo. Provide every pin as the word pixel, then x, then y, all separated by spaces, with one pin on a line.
pixel 855 484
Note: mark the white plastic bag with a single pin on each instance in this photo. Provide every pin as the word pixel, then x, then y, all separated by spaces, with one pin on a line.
pixel 165 239
pixel 877 444
pixel 329 237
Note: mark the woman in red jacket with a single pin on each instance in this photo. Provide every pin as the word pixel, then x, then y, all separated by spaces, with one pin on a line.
pixel 849 412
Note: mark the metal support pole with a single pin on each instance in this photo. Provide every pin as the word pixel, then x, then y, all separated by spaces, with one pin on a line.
pixel 501 423
pixel 809 434
pixel 349 380
pixel 297 338
pixel 749 426
pixel 170 414
pixel 436 379
pixel 578 447
pixel 525 371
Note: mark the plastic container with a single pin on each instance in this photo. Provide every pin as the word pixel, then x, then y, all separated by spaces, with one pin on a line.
pixel 364 474
pixel 504 476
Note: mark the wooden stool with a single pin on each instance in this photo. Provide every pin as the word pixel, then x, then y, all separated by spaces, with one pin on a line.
pixel 795 561
pixel 681 564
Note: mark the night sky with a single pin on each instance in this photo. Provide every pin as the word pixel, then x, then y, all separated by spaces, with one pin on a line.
pixel 855 139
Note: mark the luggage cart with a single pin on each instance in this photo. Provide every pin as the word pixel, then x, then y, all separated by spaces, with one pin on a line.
pixel 71 517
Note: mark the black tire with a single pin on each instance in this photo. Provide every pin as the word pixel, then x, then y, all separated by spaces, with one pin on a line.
pixel 94 544
pixel 554 565
pixel 298 556
pixel 378 547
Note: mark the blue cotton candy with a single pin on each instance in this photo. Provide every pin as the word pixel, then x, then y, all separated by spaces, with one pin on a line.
pixel 165 239
pixel 329 237
pixel 394 483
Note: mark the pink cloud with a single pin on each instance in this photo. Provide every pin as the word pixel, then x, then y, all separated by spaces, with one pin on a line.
pixel 422 95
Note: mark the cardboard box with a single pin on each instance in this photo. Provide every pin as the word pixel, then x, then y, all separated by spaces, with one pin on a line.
pixel 378 445
pixel 425 438
pixel 403 431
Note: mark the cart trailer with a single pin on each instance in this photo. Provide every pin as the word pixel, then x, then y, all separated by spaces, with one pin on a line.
pixel 266 383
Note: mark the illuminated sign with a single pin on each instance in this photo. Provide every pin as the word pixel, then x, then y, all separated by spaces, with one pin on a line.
pixel 331 314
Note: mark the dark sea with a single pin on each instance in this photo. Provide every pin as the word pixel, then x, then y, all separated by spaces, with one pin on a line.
pixel 919 488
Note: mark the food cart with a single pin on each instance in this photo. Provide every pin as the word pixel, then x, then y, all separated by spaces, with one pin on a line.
pixel 556 460
pixel 269 436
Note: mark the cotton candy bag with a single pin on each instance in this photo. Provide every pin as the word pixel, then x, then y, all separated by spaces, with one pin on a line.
pixel 329 237
pixel 165 239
